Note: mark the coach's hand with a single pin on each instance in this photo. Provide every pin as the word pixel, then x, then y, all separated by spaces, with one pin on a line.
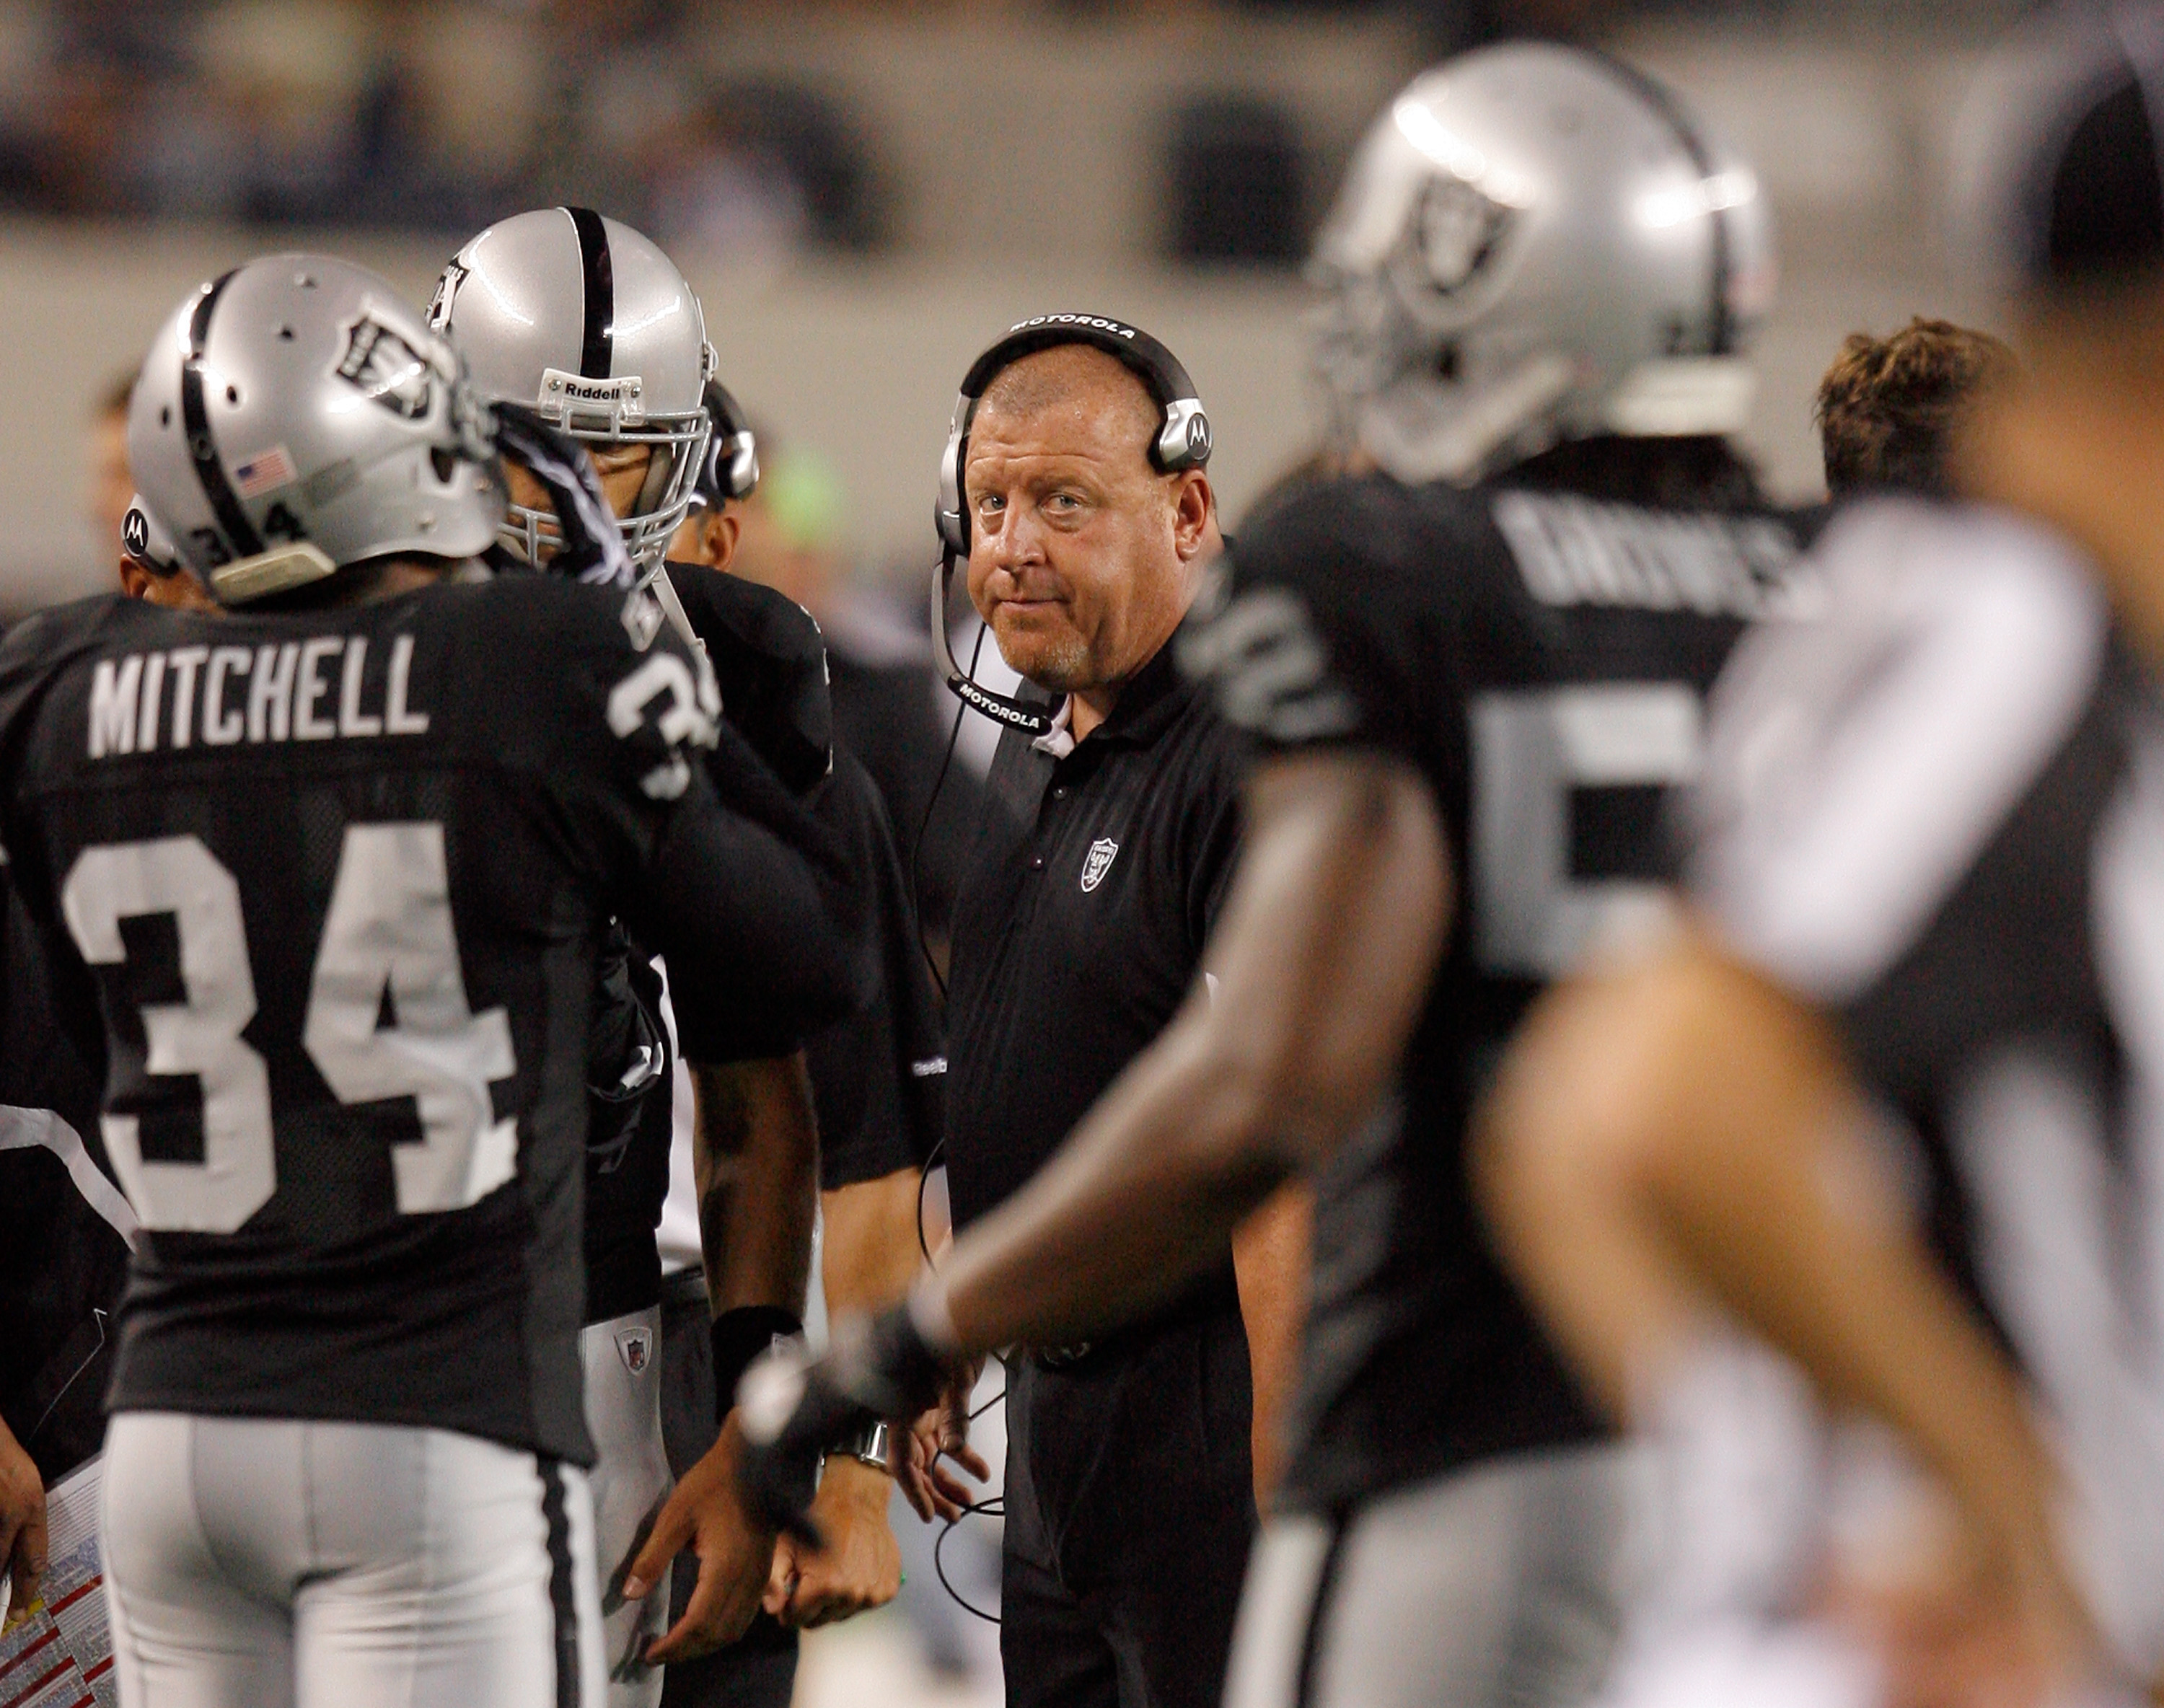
pixel 795 1408
pixel 22 1525
pixel 939 1436
pixel 705 1514
pixel 859 1568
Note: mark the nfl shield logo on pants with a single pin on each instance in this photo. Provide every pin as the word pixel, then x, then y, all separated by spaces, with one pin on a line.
pixel 1099 863
pixel 637 1346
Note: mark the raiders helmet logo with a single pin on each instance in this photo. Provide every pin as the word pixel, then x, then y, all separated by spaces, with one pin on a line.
pixel 135 533
pixel 387 370
pixel 636 1346
pixel 1459 232
pixel 1098 862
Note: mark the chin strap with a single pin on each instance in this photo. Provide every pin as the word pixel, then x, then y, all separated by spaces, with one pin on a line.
pixel 1011 714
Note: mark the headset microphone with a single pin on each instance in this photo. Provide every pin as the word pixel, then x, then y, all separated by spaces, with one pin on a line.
pixel 1015 714
pixel 1181 442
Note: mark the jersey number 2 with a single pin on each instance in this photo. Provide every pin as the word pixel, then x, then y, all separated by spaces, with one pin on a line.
pixel 388 931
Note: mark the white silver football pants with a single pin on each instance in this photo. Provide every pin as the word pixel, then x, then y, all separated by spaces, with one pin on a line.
pixel 255 1562
pixel 1505 1586
pixel 630 1478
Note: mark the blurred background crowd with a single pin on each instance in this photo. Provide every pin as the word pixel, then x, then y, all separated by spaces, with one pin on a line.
pixel 718 123
pixel 866 192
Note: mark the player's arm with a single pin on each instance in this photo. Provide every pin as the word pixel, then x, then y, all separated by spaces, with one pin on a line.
pixel 22 1525
pixel 755 1160
pixel 1337 914
pixel 1335 919
pixel 868 1259
pixel 1683 1138
pixel 1270 1264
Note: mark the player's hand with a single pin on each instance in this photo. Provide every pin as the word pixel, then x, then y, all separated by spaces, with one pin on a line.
pixel 705 1514
pixel 795 1408
pixel 22 1527
pixel 936 1438
pixel 1965 1626
pixel 860 1567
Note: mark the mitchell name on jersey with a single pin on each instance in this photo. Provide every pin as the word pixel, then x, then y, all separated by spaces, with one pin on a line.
pixel 318 689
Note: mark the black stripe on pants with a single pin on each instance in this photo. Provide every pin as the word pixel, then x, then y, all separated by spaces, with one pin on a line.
pixel 560 1597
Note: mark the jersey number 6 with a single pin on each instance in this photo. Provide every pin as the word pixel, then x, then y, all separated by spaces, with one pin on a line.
pixel 388 929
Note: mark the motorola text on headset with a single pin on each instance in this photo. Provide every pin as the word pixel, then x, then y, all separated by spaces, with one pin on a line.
pixel 1181 442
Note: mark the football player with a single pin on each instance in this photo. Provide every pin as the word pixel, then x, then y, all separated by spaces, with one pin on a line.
pixel 877 1078
pixel 1470 672
pixel 323 879
pixel 535 304
pixel 1928 902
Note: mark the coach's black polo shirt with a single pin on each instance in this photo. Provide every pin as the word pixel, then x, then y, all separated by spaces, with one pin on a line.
pixel 1079 928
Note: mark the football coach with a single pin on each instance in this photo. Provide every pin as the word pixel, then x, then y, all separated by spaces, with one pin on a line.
pixel 1074 490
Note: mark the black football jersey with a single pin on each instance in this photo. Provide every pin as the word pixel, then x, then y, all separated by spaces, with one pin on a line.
pixel 771 674
pixel 324 893
pixel 64 1225
pixel 1542 658
pixel 1939 816
pixel 877 1074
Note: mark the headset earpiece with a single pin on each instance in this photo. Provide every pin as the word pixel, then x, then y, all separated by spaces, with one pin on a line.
pixel 732 471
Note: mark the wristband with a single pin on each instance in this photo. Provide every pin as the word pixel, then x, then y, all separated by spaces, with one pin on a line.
pixel 740 1335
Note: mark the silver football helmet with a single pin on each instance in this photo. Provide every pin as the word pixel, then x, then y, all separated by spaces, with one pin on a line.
pixel 585 320
pixel 297 416
pixel 1535 243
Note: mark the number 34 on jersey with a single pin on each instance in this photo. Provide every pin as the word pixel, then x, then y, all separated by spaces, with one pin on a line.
pixel 389 946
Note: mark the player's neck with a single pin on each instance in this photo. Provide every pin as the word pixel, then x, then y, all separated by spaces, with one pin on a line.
pixel 364 583
pixel 2091 464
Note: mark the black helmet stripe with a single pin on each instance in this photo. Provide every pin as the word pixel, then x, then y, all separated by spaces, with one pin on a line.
pixel 1721 339
pixel 195 420
pixel 597 348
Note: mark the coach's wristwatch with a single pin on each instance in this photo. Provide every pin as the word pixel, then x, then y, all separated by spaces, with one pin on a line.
pixel 868 1446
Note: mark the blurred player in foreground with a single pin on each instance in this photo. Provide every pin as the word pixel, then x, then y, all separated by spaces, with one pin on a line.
pixel 323 878
pixel 1470 673
pixel 1921 999
pixel 878 1079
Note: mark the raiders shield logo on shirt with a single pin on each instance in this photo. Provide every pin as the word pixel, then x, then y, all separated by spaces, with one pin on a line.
pixel 637 1346
pixel 1098 862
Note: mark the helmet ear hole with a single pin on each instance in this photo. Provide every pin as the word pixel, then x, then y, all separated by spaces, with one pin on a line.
pixel 445 462
pixel 1447 362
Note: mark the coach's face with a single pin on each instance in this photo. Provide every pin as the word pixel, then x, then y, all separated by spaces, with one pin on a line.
pixel 1083 557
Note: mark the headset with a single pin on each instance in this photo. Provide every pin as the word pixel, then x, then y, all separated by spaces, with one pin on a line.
pixel 1181 442
pixel 731 468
